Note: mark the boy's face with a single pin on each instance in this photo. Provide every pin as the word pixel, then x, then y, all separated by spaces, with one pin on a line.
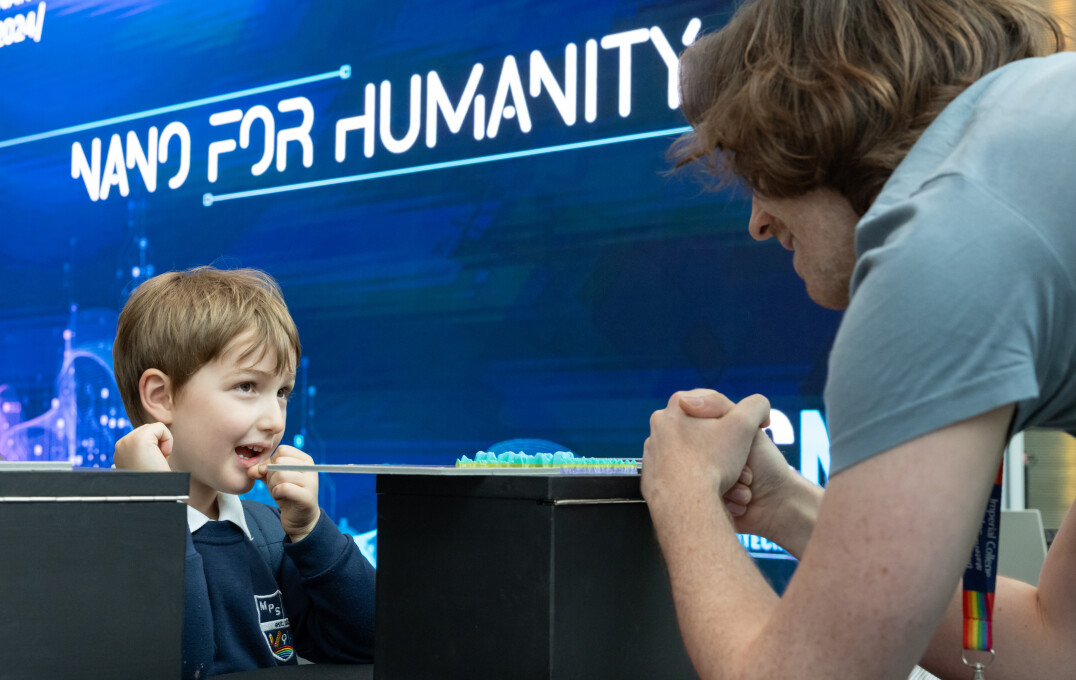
pixel 227 419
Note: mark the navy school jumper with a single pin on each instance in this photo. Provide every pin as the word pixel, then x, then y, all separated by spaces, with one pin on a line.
pixel 259 603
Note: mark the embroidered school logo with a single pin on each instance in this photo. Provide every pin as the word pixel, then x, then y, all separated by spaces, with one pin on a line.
pixel 276 629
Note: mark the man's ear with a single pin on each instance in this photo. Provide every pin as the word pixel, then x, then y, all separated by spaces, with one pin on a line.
pixel 155 391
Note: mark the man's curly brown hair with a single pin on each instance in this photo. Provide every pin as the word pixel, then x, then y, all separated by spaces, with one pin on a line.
pixel 796 95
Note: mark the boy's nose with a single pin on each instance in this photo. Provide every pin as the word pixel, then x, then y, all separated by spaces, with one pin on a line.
pixel 273 418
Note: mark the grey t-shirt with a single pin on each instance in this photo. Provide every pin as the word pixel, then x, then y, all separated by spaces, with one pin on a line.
pixel 963 295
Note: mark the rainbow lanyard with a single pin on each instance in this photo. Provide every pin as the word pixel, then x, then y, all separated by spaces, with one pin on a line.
pixel 979 579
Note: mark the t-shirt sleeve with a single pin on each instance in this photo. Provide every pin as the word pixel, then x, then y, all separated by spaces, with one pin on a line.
pixel 943 322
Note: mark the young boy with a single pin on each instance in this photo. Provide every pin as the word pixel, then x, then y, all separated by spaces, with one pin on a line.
pixel 205 362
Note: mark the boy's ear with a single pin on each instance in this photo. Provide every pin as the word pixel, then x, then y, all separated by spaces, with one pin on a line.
pixel 155 391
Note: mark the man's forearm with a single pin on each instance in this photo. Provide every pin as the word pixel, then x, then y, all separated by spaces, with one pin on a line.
pixel 1033 627
pixel 1025 645
pixel 722 601
pixel 1029 625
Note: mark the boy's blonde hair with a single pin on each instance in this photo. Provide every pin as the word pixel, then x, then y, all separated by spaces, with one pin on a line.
pixel 180 321
pixel 796 95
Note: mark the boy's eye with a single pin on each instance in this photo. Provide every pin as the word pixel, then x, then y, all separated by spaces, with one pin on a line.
pixel 284 393
pixel 245 387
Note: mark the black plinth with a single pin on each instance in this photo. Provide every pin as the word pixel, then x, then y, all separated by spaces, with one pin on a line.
pixel 496 578
pixel 91 575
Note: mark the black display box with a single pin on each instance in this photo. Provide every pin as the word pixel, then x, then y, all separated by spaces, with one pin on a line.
pixel 91 578
pixel 521 578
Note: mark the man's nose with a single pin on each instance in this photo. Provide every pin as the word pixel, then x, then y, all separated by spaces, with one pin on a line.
pixel 760 225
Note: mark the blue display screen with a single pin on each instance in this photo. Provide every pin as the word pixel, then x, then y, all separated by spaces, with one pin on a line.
pixel 467 204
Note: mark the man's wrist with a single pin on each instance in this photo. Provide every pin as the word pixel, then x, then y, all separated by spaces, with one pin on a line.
pixel 792 528
pixel 681 513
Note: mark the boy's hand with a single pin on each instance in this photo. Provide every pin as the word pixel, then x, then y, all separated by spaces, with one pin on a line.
pixel 147 448
pixel 296 493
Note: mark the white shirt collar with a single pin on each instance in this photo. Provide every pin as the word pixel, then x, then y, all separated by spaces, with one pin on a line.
pixel 230 510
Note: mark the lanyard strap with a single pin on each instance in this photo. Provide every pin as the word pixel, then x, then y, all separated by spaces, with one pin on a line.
pixel 981 575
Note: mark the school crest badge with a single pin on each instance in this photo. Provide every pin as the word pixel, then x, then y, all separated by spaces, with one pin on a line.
pixel 276 629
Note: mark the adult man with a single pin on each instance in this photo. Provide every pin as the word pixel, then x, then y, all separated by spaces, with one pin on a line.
pixel 920 168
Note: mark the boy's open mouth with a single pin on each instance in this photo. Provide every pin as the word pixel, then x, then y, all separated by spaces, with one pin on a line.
pixel 249 453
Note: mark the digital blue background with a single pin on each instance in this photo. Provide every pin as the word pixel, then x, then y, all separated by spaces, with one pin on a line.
pixel 562 296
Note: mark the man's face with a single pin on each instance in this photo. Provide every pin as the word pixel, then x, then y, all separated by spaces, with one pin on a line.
pixel 226 419
pixel 819 227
